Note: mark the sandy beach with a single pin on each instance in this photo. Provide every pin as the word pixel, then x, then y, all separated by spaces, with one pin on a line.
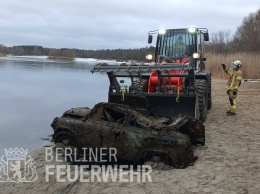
pixel 228 163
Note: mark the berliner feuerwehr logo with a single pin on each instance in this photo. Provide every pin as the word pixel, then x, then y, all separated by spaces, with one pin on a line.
pixel 17 166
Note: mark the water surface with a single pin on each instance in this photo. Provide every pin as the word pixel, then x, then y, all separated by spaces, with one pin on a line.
pixel 35 90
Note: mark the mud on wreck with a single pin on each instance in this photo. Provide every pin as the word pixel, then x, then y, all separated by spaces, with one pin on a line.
pixel 137 136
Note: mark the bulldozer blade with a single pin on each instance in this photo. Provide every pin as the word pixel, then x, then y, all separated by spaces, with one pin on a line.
pixel 162 105
pixel 131 100
pixel 167 106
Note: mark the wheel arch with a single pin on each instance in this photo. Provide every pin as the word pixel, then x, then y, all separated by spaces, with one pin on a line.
pixel 60 129
pixel 166 158
pixel 206 75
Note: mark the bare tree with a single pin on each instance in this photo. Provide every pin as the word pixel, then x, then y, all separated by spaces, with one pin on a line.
pixel 55 52
pixel 18 50
pixel 3 49
pixel 247 37
pixel 69 53
pixel 227 36
pixel 219 42
pixel 37 51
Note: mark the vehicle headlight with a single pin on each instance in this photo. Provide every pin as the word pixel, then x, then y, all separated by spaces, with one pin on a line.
pixel 181 142
pixel 149 57
pixel 162 31
pixel 192 30
pixel 196 55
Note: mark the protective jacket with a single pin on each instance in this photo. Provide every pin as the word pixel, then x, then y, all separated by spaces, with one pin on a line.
pixel 234 80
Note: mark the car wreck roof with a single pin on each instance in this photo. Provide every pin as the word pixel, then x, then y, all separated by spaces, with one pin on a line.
pixel 145 68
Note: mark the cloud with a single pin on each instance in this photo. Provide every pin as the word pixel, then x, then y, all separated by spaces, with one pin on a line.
pixel 102 24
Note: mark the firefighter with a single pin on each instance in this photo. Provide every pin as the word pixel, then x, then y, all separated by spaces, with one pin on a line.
pixel 234 81
pixel 179 48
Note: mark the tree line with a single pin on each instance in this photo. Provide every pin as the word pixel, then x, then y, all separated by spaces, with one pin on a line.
pixel 246 38
pixel 118 54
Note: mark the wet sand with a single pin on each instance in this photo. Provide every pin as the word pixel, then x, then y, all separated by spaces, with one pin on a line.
pixel 228 163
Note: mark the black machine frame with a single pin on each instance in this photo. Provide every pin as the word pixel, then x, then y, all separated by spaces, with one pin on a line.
pixel 152 102
pixel 167 100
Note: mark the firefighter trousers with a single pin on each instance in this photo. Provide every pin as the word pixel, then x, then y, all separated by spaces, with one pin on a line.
pixel 232 100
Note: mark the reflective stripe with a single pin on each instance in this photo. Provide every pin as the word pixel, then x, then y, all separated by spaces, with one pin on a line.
pixel 239 78
pixel 233 80
pixel 234 106
pixel 230 87
pixel 229 71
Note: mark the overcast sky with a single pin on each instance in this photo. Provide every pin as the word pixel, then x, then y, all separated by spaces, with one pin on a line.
pixel 111 24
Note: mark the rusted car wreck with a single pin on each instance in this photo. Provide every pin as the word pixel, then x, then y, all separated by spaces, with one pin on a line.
pixel 137 136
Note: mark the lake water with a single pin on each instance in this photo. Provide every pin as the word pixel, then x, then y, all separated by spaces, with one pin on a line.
pixel 34 90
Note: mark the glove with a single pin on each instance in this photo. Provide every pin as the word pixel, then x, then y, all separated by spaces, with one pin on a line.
pixel 223 66
pixel 234 92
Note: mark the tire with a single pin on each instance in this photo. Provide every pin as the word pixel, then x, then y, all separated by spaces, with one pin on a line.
pixel 66 138
pixel 202 91
pixel 141 85
pixel 186 158
pixel 209 95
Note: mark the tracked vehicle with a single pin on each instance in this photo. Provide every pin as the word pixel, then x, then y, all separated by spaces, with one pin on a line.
pixel 175 82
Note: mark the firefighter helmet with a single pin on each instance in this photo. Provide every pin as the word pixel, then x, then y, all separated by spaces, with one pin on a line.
pixel 237 63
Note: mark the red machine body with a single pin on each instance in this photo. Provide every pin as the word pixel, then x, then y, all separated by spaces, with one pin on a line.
pixel 170 82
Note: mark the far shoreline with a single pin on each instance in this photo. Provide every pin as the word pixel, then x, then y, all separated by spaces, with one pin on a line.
pixel 61 58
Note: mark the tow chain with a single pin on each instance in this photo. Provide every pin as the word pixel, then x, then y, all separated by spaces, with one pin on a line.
pixel 123 93
pixel 178 94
